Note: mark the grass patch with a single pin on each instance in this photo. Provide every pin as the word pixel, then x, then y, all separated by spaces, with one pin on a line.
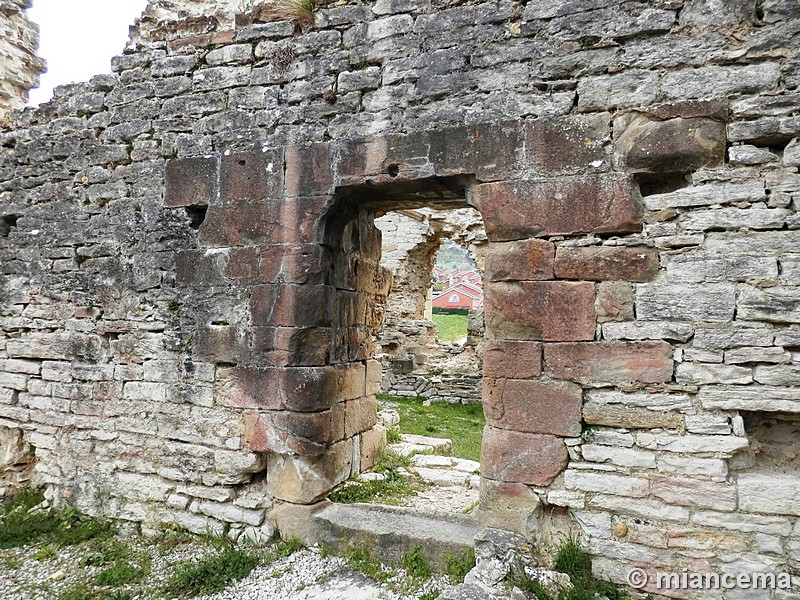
pixel 415 563
pixel 458 564
pixel 212 574
pixel 363 561
pixel 462 423
pixel 576 563
pixel 450 328
pixel 388 491
pixel 19 526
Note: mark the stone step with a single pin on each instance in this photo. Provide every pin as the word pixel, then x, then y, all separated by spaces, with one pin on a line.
pixel 391 531
pixel 411 444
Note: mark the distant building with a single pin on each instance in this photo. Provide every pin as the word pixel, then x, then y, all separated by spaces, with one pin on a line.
pixel 461 295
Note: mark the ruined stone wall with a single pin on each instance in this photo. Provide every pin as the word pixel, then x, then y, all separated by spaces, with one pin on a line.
pixel 636 167
pixel 19 64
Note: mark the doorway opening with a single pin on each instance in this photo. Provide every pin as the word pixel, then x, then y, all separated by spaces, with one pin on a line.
pixel 430 389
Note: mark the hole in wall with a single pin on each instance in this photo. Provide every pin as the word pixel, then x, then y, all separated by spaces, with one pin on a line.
pixel 196 214
pixel 7 224
pixel 661 183
pixel 773 443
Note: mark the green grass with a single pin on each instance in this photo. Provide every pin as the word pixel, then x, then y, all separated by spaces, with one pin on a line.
pixel 388 491
pixel 576 563
pixel 415 563
pixel 462 423
pixel 450 328
pixel 211 574
pixel 458 564
pixel 364 561
pixel 21 527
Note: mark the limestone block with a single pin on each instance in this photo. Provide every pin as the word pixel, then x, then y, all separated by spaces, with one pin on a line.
pixel 606 483
pixel 142 487
pixel 770 493
pixel 791 154
pixel 533 406
pixel 523 260
pixel 623 90
pixel 599 263
pixel 603 363
pixel 696 267
pixel 692 444
pixel 703 374
pixel 611 415
pixel 686 491
pixel 734 218
pixel 643 508
pixel 750 155
pixel 648 330
pixel 710 81
pixel 735 336
pixel 690 302
pixel 259 535
pixel 788 375
pixel 372 441
pixel 708 467
pixel 304 480
pixel 389 27
pixel 231 513
pixel 774 305
pixel 515 457
pixel 540 310
pixel 751 398
pixel 710 424
pixel 705 195
pixel 624 457
pixel 566 206
pixel 513 360
pixel 672 146
pixel 706 540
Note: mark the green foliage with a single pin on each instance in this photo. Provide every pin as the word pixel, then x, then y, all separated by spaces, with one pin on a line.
pixel 284 548
pixel 415 563
pixel 363 561
pixel 576 563
pixel 450 328
pixel 123 573
pixel 462 423
pixel 431 594
pixel 210 575
pixel 173 305
pixel 458 564
pixel 392 435
pixel 19 526
pixel 391 489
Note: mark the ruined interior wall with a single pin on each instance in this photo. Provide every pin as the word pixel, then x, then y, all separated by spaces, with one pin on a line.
pixel 20 66
pixel 98 363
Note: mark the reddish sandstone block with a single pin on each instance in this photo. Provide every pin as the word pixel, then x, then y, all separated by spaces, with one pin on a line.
pixel 291 305
pixel 219 343
pixel 488 150
pixel 190 182
pixel 610 363
pixel 291 346
pixel 309 170
pixel 241 223
pixel 303 389
pixel 533 406
pixel 361 414
pixel 614 301
pixel 306 434
pixel 514 457
pixel 525 260
pixel 293 263
pixel 567 144
pixel 513 360
pixel 359 159
pixel 607 263
pixel 250 177
pixel 605 203
pixel 540 310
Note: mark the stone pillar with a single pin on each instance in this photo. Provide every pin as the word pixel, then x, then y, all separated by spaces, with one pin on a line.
pixel 20 66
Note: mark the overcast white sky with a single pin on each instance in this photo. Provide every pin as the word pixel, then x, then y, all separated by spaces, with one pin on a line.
pixel 79 37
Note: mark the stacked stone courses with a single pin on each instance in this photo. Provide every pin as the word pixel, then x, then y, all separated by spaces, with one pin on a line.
pixel 189 277
pixel 19 65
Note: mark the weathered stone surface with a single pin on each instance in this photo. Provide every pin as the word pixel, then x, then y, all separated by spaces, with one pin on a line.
pixel 651 401
pixel 697 267
pixel 510 506
pixel 191 182
pixel 745 523
pixel 714 302
pixel 568 206
pixel 624 457
pixel 512 360
pixel 291 388
pixel 769 493
pixel 705 195
pixel 306 434
pixel 524 260
pixel 672 146
pixel 514 457
pixel 601 263
pixel 754 398
pixel 644 330
pixel 610 363
pixel 750 155
pixel 533 406
pixel 612 415
pixel 695 492
pixel 692 444
pixel 734 218
pixel 614 301
pixel 305 480
pixel 643 508
pixel 627 89
pixel 605 483
pixel 773 305
pixel 709 467
pixel 547 310
pixel 702 374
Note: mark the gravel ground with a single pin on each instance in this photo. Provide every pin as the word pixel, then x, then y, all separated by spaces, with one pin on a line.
pixel 304 575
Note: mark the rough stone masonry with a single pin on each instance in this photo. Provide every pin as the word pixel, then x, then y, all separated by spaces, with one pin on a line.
pixel 190 281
